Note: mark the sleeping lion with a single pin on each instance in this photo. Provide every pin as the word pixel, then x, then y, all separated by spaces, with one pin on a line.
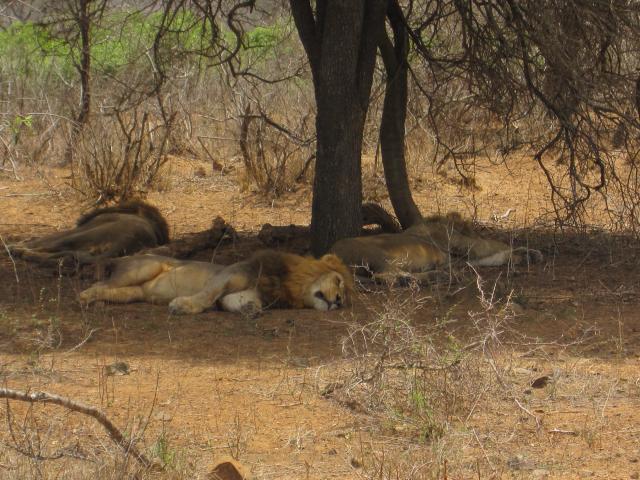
pixel 427 245
pixel 267 279
pixel 100 234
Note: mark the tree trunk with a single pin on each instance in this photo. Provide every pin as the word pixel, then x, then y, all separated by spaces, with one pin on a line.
pixel 83 22
pixel 341 42
pixel 394 113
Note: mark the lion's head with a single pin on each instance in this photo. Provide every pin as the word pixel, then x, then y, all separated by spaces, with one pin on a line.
pixel 323 284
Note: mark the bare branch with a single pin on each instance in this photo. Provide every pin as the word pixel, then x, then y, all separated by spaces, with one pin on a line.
pixel 113 431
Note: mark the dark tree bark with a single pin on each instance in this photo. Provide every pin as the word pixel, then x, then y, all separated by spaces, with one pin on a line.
pixel 84 68
pixel 340 39
pixel 83 13
pixel 394 113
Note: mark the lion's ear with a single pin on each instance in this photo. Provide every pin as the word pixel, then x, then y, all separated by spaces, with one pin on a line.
pixel 331 259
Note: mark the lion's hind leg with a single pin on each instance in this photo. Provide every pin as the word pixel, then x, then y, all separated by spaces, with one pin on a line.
pixel 126 280
pixel 137 270
pixel 104 292
pixel 495 260
pixel 517 256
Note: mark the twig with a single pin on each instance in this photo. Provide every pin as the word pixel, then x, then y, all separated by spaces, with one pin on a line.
pixel 15 270
pixel 10 157
pixel 528 412
pixel 214 163
pixel 486 456
pixel 39 194
pixel 113 431
pixel 419 366
pixel 82 342
pixel 566 432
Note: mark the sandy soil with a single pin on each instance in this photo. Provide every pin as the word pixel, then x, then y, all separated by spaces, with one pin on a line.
pixel 279 393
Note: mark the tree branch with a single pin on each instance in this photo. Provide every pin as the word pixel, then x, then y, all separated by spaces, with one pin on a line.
pixel 306 26
pixel 113 431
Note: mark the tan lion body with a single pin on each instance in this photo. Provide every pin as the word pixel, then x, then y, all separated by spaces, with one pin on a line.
pixel 268 278
pixel 103 233
pixel 426 246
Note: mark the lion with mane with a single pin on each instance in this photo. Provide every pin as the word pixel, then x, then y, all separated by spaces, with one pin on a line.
pixel 102 233
pixel 266 279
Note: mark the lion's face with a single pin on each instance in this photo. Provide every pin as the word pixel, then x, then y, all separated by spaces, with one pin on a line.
pixel 327 292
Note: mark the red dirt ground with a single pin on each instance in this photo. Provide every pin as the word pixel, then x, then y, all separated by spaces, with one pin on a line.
pixel 215 384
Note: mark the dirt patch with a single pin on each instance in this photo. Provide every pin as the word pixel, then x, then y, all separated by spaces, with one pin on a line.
pixel 291 395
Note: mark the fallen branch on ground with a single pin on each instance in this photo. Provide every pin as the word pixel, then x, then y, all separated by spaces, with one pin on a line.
pixel 192 243
pixel 113 431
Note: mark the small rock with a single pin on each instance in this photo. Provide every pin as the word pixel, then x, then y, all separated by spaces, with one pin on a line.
pixel 329 388
pixel 634 476
pixel 333 451
pixel 116 368
pixel 162 416
pixel 300 362
pixel 227 470
pixel 271 332
pixel 540 473
pixel 516 463
pixel 541 382
pixel 355 463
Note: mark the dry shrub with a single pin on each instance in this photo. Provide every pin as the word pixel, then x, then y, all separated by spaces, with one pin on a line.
pixel 406 373
pixel 275 158
pixel 425 386
pixel 8 155
pixel 48 442
pixel 119 156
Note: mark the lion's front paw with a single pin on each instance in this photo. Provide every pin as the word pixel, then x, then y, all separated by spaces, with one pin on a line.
pixel 183 305
pixel 86 296
pixel 250 311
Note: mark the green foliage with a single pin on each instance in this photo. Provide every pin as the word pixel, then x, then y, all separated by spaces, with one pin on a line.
pixel 163 451
pixel 262 43
pixel 19 123
pixel 120 40
pixel 27 50
pixel 422 412
pixel 123 39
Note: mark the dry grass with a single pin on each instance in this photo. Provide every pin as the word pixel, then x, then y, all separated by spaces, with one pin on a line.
pixel 428 383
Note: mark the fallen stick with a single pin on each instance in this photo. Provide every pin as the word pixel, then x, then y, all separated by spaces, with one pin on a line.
pixel 192 243
pixel 113 431
pixel 38 194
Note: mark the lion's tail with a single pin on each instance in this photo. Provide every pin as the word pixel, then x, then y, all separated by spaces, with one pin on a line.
pixel 374 214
